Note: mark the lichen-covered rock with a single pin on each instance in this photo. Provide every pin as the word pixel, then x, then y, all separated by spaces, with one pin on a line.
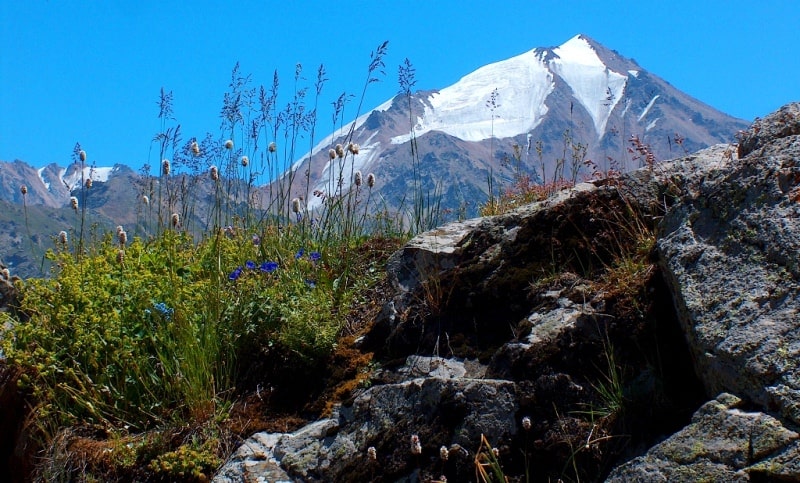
pixel 783 123
pixel 729 253
pixel 723 443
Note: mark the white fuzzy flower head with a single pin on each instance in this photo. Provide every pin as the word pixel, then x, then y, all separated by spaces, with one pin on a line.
pixel 213 173
pixel 245 161
pixel 358 178
pixel 145 199
pixel 82 155
pixel 195 148
pixel 296 205
pixel 165 167
pixel 62 237
pixel 370 180
pixel 353 148
pixel 176 220
pixel 119 229
pixel 339 150
pixel 332 153
pixel 122 237
pixel 416 446
pixel 372 453
pixel 229 144
pixel 526 423
pixel 23 189
pixel 273 147
pixel 73 201
pixel 88 183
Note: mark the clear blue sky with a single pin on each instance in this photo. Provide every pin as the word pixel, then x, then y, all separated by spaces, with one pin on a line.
pixel 90 72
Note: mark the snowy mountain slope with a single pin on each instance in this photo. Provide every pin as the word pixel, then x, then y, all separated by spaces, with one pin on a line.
pixel 563 106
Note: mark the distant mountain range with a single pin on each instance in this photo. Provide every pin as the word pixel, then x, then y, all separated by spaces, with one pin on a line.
pixel 563 111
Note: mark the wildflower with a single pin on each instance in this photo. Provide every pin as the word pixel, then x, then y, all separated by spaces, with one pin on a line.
pixel 176 220
pixel 299 253
pixel 332 153
pixel 416 446
pixel 62 237
pixel 88 183
pixel 82 155
pixel 315 256
pixel 526 423
pixel 74 202
pixel 251 265
pixel 272 147
pixel 496 452
pixel 372 454
pixel 121 257
pixel 212 171
pixel 122 237
pixel 339 150
pixel 229 144
pixel 370 180
pixel 145 199
pixel 24 190
pixel 234 275
pixel 245 161
pixel 357 177
pixel 119 229
pixel 353 148
pixel 268 267
pixel 311 283
pixel 165 311
pixel 165 166
pixel 296 205
pixel 444 453
pixel 256 240
pixel 195 148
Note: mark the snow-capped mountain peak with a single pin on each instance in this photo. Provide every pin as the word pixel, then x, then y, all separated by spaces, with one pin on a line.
pixel 596 87
pixel 567 111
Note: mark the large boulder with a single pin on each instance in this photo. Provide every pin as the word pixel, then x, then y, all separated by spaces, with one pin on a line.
pixel 728 250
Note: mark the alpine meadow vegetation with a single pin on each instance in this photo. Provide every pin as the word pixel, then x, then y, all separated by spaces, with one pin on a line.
pixel 143 340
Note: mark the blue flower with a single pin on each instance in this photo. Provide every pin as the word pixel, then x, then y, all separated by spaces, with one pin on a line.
pixel 235 274
pixel 165 311
pixel 311 283
pixel 299 253
pixel 315 256
pixel 256 240
pixel 269 267
pixel 251 265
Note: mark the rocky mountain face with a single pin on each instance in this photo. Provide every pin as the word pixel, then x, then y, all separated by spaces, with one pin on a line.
pixel 640 328
pixel 566 112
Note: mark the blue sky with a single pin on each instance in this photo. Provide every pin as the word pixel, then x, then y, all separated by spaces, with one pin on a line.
pixel 91 72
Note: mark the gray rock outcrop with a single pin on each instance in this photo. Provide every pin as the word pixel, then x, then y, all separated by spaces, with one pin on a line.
pixel 523 319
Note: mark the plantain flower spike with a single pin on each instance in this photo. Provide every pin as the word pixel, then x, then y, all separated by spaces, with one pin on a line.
pixel 332 153
pixel 73 201
pixel 229 144
pixel 245 161
pixel 176 220
pixel 88 183
pixel 23 189
pixel 165 167
pixel 339 150
pixel 358 179
pixel 213 173
pixel 62 237
pixel 370 180
pixel 195 148
pixel 82 155
pixel 145 199
pixel 272 147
